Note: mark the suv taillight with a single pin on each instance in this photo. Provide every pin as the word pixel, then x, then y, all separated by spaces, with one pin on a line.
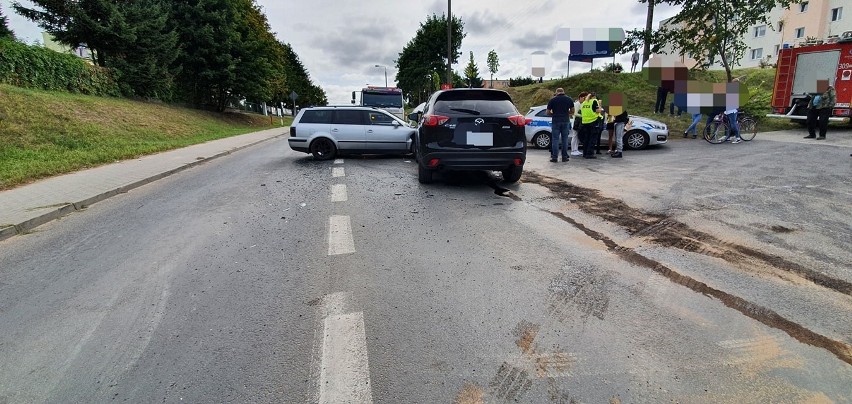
pixel 518 120
pixel 434 120
pixel 292 131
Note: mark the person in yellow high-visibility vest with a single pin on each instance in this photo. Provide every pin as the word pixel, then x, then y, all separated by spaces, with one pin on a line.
pixel 590 111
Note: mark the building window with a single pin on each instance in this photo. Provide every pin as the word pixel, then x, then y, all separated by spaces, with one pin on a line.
pixel 759 31
pixel 803 7
pixel 836 13
pixel 800 32
pixel 756 53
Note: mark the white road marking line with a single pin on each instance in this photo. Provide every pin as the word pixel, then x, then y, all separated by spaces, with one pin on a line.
pixel 338 193
pixel 338 172
pixel 345 373
pixel 340 236
pixel 338 161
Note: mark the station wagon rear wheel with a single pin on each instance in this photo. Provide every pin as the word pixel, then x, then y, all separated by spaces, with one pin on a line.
pixel 323 149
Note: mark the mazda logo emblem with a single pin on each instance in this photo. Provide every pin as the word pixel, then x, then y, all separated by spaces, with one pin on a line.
pixel 479 121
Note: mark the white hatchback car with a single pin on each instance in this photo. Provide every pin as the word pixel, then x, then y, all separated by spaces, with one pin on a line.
pixel 643 133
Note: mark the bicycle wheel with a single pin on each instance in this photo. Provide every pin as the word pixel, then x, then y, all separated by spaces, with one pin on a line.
pixel 748 128
pixel 716 132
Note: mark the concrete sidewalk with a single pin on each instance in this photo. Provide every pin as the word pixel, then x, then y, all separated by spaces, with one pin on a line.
pixel 29 206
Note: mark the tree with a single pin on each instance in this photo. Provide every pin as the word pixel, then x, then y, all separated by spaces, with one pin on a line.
pixel 98 24
pixel 471 73
pixel 225 54
pixel 521 81
pixel 426 54
pixel 709 28
pixel 296 78
pixel 145 63
pixel 5 32
pixel 493 65
pixel 649 41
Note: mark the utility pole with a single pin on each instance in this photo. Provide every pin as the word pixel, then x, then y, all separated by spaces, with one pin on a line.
pixel 649 25
pixel 449 42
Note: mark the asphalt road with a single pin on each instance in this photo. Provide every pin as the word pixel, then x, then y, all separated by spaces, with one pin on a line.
pixel 688 273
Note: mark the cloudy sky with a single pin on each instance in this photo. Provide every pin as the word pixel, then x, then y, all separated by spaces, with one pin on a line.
pixel 341 41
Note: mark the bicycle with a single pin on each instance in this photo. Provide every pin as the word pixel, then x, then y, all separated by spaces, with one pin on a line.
pixel 720 128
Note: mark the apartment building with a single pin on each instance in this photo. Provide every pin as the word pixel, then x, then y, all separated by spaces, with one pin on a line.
pixel 813 20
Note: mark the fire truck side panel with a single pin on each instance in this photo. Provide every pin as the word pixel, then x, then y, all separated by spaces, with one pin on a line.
pixel 799 69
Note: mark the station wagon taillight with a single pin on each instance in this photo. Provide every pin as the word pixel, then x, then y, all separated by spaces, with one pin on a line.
pixel 434 120
pixel 292 131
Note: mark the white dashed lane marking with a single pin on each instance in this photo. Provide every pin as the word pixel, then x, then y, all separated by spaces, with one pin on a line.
pixel 345 373
pixel 340 236
pixel 338 161
pixel 338 193
pixel 337 172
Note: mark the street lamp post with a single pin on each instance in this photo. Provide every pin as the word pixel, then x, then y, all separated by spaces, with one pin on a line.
pixel 386 74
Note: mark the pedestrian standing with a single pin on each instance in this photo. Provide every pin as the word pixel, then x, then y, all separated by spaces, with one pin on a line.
pixel 610 131
pixel 819 111
pixel 599 130
pixel 672 109
pixel 634 60
pixel 590 111
pixel 560 108
pixel 732 123
pixel 660 104
pixel 620 122
pixel 693 127
pixel 577 124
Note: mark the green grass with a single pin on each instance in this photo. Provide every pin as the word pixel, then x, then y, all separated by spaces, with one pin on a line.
pixel 640 95
pixel 45 133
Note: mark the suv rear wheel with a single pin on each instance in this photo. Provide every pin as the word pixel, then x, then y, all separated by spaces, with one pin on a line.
pixel 513 174
pixel 323 149
pixel 424 175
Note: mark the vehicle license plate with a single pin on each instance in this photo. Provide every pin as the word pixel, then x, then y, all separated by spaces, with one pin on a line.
pixel 480 138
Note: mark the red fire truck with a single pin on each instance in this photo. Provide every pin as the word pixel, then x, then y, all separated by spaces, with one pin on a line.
pixel 799 71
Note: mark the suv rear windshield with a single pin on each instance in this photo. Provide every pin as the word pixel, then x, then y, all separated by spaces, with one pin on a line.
pixel 316 116
pixel 475 103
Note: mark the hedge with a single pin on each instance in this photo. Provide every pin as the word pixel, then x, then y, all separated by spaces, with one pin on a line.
pixel 41 68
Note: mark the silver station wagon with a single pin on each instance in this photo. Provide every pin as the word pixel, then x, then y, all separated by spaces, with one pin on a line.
pixel 329 131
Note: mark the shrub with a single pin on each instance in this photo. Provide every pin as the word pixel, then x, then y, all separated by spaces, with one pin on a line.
pixel 37 67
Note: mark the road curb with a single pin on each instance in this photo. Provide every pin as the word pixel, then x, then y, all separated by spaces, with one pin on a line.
pixel 69 207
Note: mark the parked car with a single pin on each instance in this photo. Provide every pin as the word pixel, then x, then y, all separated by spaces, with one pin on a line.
pixel 643 133
pixel 470 129
pixel 329 131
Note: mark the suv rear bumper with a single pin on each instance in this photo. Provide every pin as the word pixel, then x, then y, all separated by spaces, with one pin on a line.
pixel 478 160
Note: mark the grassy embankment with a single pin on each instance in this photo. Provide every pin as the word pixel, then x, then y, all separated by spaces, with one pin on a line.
pixel 640 94
pixel 45 133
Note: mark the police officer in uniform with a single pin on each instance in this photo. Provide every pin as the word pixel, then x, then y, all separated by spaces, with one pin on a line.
pixel 590 111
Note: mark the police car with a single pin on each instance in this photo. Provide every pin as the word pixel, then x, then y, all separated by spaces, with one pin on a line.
pixel 643 132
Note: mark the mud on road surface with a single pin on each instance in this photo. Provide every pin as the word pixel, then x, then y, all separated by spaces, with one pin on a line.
pixel 665 231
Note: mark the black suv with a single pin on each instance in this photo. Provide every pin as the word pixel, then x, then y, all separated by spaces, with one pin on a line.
pixel 470 129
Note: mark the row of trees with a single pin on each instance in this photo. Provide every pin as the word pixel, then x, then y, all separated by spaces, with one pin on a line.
pixel 207 53
pixel 422 64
